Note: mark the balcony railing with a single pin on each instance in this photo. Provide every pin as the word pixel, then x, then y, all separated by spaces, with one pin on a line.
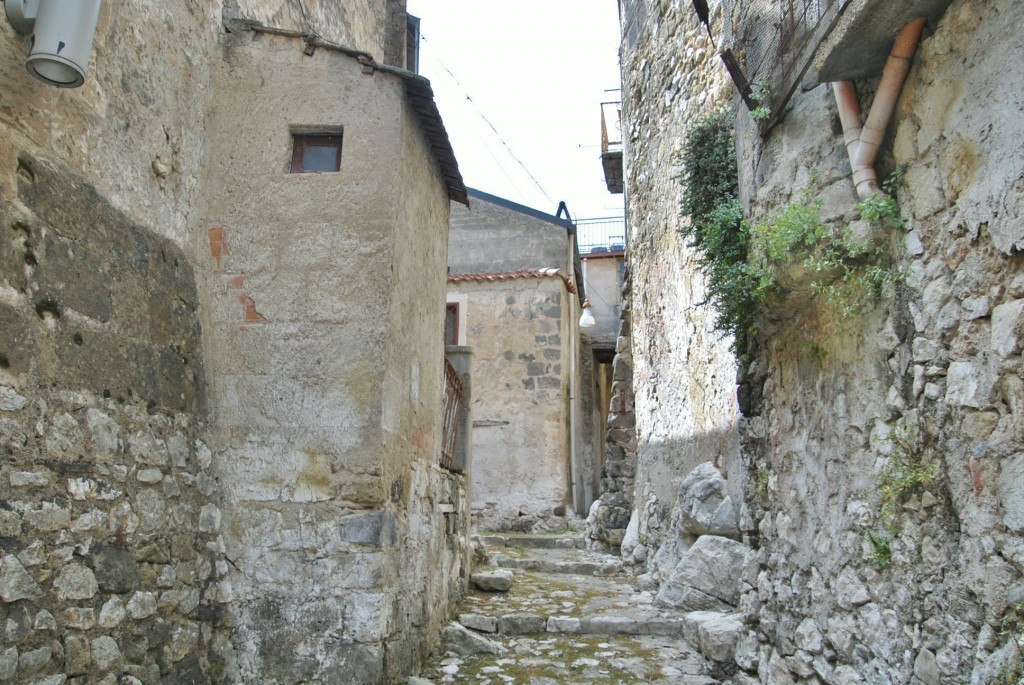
pixel 452 401
pixel 611 145
pixel 604 234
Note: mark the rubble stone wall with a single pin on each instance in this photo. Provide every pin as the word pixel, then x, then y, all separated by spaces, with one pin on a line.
pixel 929 589
pixel 112 564
pixel 683 370
pixel 932 376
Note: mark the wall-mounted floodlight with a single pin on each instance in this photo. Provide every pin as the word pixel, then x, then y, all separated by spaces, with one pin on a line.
pixel 62 33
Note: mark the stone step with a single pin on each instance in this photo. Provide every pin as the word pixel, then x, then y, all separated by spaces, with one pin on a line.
pixel 529 541
pixel 687 626
pixel 609 567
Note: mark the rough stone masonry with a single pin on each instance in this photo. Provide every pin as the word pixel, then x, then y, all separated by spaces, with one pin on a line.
pixel 847 590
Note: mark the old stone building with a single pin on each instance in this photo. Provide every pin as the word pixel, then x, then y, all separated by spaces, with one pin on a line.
pixel 221 375
pixel 514 294
pixel 870 457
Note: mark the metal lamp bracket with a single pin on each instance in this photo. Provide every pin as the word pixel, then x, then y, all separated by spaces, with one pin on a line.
pixel 22 14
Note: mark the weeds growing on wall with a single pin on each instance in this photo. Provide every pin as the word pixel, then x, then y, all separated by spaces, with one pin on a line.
pixel 740 259
pixel 905 474
pixel 711 201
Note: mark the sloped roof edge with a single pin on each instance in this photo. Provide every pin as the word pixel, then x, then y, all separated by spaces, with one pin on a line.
pixel 512 275
pixel 522 209
pixel 418 92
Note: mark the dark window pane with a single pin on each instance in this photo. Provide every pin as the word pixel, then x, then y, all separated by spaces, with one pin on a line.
pixel 320 158
pixel 451 324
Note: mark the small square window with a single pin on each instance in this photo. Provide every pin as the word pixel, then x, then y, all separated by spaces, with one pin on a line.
pixel 314 153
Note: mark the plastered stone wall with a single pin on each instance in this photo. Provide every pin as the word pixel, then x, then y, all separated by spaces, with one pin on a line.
pixel 518 331
pixel 493 237
pixel 940 362
pixel 325 366
pixel 365 25
pixel 117 483
pixel 112 561
pixel 683 371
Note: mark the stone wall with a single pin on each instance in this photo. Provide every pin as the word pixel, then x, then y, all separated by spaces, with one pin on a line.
pixel 112 564
pixel 518 331
pixel 846 588
pixel 931 376
pixel 325 366
pixel 683 370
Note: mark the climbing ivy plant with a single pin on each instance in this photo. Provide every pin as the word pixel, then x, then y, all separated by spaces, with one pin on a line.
pixel 711 202
pixel 740 259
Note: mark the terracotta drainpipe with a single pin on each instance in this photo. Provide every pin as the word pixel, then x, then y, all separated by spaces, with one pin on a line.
pixel 862 143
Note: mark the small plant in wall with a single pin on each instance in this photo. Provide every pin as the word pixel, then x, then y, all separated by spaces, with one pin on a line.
pixel 905 474
pixel 1011 627
pixel 883 209
pixel 762 95
pixel 881 555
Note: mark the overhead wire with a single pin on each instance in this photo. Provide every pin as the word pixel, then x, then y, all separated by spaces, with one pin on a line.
pixel 487 121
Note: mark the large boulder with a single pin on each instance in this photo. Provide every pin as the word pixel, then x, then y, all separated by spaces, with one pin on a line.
pixel 703 506
pixel 464 642
pixel 711 576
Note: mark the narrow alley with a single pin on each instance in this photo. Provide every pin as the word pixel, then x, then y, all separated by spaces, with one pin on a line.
pixel 556 613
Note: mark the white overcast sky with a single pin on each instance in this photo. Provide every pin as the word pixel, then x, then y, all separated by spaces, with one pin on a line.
pixel 537 70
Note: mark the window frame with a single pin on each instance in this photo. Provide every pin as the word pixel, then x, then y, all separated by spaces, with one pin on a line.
pixel 455 308
pixel 301 139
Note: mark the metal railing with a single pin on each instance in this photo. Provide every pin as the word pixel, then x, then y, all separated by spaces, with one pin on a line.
pixel 605 234
pixel 452 400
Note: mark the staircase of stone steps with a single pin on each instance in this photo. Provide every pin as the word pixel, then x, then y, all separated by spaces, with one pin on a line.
pixel 569 616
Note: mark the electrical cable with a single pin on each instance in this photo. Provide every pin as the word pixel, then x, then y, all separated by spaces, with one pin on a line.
pixel 488 122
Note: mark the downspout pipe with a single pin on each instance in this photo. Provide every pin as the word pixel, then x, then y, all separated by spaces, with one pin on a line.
pixel 862 143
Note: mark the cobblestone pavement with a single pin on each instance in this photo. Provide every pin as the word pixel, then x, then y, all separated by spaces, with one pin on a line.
pixel 570 617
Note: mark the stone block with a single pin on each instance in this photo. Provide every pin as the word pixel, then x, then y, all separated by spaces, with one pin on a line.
pixel 34 660
pixel 969 384
pixel 718 637
pixel 8 664
pixel 1007 327
pixel 613 625
pixel 76 582
pixel 105 653
pixel 378 528
pixel 483 624
pixel 464 642
pixel 563 624
pixel 115 569
pixel 499 580
pixel 849 590
pixel 521 624
pixel 1010 485
pixel 703 506
pixel 15 582
pixel 708 575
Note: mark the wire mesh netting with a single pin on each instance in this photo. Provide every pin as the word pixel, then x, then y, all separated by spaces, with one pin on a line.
pixel 772 43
